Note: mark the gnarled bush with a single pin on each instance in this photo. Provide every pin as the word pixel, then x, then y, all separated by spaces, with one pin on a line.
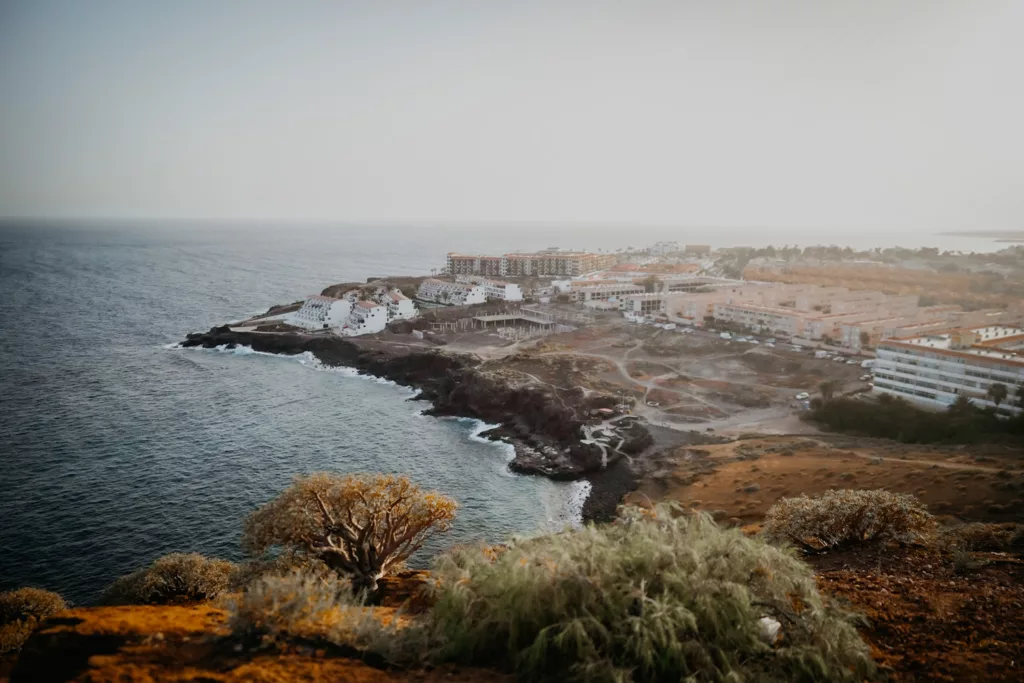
pixel 21 611
pixel 654 596
pixel 846 516
pixel 178 577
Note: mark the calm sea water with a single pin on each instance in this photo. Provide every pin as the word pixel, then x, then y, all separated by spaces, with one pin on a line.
pixel 117 449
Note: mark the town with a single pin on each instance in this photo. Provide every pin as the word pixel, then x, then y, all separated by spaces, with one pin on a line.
pixel 958 337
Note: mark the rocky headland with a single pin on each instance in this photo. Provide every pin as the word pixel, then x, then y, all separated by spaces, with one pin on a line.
pixel 546 428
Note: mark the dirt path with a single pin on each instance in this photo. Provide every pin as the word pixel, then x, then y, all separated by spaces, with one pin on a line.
pixel 937 463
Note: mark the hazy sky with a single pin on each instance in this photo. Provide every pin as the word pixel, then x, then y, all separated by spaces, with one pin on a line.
pixel 840 113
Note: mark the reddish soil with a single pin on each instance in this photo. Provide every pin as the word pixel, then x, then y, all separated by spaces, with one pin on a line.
pixel 926 621
pixel 745 478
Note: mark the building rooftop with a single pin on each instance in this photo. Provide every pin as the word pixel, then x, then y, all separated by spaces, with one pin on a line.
pixel 988 343
pixel 368 305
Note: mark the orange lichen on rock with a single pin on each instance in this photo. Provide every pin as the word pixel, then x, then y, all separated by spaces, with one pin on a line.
pixel 190 643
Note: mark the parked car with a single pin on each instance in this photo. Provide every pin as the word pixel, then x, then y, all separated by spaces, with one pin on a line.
pixel 865 378
pixel 771 344
pixel 852 361
pixel 803 396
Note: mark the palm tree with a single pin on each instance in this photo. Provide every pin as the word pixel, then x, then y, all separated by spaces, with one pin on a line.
pixel 997 392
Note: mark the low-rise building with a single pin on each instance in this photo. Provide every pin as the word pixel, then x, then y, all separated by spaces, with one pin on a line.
pixel 551 262
pixel 450 293
pixel 603 291
pixel 494 290
pixel 935 369
pixel 637 305
pixel 400 307
pixel 367 317
pixel 321 312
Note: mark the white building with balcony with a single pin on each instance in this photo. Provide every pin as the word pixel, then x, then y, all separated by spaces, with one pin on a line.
pixel 400 307
pixel 494 290
pixel 934 369
pixel 320 313
pixel 451 293
pixel 367 317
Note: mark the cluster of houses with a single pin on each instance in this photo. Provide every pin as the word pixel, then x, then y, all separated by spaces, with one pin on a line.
pixel 357 312
pixel 354 313
pixel 468 290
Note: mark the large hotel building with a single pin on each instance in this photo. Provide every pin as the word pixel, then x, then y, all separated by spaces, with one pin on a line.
pixel 935 369
pixel 552 262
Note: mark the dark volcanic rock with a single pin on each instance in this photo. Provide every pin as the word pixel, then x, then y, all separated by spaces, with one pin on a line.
pixel 544 428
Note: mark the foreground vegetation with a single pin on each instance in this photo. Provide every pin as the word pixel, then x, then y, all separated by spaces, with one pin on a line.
pixel 654 596
pixel 894 418
pixel 21 611
pixel 658 594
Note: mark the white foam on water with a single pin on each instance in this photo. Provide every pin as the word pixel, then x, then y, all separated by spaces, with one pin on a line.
pixel 567 510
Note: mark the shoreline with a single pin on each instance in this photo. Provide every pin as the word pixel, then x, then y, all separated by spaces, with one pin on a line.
pixel 543 432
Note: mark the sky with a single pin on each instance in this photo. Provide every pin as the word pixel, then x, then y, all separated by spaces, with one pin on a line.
pixel 839 114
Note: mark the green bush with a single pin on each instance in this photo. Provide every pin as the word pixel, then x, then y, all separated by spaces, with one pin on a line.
pixel 21 611
pixel 654 596
pixel 844 517
pixel 178 577
pixel 895 418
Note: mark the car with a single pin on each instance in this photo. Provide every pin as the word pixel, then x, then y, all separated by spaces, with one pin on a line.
pixel 754 341
pixel 771 340
pixel 852 361
pixel 771 344
pixel 803 396
pixel 865 378
pixel 838 359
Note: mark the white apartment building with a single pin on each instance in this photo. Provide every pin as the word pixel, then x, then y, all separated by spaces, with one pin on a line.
pixel 603 291
pixel 400 307
pixel 451 293
pixel 637 305
pixel 367 317
pixel 494 290
pixel 320 313
pixel 934 369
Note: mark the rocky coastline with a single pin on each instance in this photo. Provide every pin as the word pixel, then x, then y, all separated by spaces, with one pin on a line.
pixel 543 428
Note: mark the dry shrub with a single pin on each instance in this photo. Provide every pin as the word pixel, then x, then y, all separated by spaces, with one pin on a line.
pixel 320 609
pixel 845 517
pixel 178 577
pixel 658 595
pixel 293 606
pixel 982 537
pixel 21 611
pixel 251 570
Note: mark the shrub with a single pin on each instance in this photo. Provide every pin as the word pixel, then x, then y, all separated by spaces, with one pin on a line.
pixel 655 596
pixel 364 526
pixel 296 605
pixel 21 611
pixel 250 571
pixel 847 516
pixel 178 577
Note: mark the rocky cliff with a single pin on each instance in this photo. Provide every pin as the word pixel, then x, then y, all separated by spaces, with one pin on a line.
pixel 544 428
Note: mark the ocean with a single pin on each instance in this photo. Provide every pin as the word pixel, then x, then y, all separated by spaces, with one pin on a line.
pixel 117 447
